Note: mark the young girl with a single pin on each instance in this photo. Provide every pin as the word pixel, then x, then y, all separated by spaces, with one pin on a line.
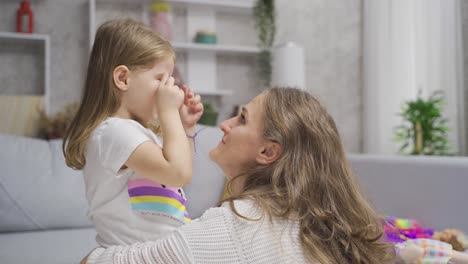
pixel 127 171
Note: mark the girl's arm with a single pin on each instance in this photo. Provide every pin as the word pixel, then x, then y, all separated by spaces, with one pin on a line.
pixel 171 165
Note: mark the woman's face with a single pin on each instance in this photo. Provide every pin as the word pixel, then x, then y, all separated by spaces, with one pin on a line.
pixel 242 140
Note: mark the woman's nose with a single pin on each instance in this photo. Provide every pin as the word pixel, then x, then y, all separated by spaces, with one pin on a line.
pixel 225 127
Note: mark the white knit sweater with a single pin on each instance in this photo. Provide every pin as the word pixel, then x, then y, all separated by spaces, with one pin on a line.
pixel 218 236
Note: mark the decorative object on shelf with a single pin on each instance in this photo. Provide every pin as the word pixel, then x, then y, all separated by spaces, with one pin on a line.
pixel 288 66
pixel 205 37
pixel 56 126
pixel 425 129
pixel 160 19
pixel 265 23
pixel 24 18
pixel 209 116
pixel 161 23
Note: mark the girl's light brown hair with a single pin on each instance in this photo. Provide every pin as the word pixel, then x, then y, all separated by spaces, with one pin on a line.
pixel 118 42
pixel 313 183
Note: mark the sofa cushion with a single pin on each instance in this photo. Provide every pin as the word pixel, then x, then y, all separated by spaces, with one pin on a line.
pixel 52 247
pixel 37 190
pixel 432 190
pixel 206 187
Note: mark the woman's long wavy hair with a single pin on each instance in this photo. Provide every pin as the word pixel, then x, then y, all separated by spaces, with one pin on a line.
pixel 312 182
pixel 118 42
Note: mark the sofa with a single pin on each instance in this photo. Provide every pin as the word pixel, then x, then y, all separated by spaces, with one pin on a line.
pixel 43 206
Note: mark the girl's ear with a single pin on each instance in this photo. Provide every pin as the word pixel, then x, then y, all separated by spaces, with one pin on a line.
pixel 120 77
pixel 269 153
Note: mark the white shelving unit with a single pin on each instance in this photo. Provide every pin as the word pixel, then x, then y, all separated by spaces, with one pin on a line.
pixel 201 68
pixel 215 48
pixel 238 6
pixel 241 6
pixel 39 39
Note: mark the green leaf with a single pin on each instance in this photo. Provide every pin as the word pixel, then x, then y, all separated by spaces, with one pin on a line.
pixel 429 113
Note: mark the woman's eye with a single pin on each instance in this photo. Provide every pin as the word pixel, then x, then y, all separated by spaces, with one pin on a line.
pixel 242 118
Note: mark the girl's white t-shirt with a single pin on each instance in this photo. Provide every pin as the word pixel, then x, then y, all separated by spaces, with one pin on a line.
pixel 123 206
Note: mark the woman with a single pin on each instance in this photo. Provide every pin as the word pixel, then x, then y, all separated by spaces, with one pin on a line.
pixel 294 199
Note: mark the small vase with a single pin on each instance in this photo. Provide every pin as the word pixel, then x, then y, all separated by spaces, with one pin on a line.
pixel 160 20
pixel 24 18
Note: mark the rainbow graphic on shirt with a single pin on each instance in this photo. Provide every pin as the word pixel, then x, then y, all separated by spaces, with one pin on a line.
pixel 146 195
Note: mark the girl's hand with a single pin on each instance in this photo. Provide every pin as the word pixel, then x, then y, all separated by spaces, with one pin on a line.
pixel 168 95
pixel 191 110
pixel 83 261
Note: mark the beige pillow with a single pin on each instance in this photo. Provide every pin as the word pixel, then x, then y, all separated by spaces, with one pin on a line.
pixel 19 115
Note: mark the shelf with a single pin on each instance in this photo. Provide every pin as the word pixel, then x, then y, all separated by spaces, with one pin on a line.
pixel 228 5
pixel 13 38
pixel 201 59
pixel 215 48
pixel 214 93
pixel 26 37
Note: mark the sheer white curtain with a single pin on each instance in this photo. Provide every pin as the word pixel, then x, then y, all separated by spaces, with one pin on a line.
pixel 410 45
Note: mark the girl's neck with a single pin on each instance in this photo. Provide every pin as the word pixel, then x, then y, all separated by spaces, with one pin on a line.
pixel 122 113
pixel 125 114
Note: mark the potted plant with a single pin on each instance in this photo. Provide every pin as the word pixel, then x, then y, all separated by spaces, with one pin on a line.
pixel 209 117
pixel 51 127
pixel 424 129
pixel 265 17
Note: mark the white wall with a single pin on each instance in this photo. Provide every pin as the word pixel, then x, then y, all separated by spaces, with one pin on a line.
pixel 409 45
pixel 330 32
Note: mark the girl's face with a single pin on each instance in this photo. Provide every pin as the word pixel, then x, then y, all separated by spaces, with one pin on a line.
pixel 242 140
pixel 141 96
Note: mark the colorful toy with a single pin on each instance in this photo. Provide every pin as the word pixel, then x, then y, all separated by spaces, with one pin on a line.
pixel 400 229
pixel 417 245
pixel 422 251
pixel 454 237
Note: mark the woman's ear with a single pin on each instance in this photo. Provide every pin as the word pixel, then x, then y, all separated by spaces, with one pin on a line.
pixel 120 77
pixel 269 153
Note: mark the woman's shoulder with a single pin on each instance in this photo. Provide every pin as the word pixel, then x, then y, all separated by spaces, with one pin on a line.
pixel 245 207
pixel 223 211
pixel 225 217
